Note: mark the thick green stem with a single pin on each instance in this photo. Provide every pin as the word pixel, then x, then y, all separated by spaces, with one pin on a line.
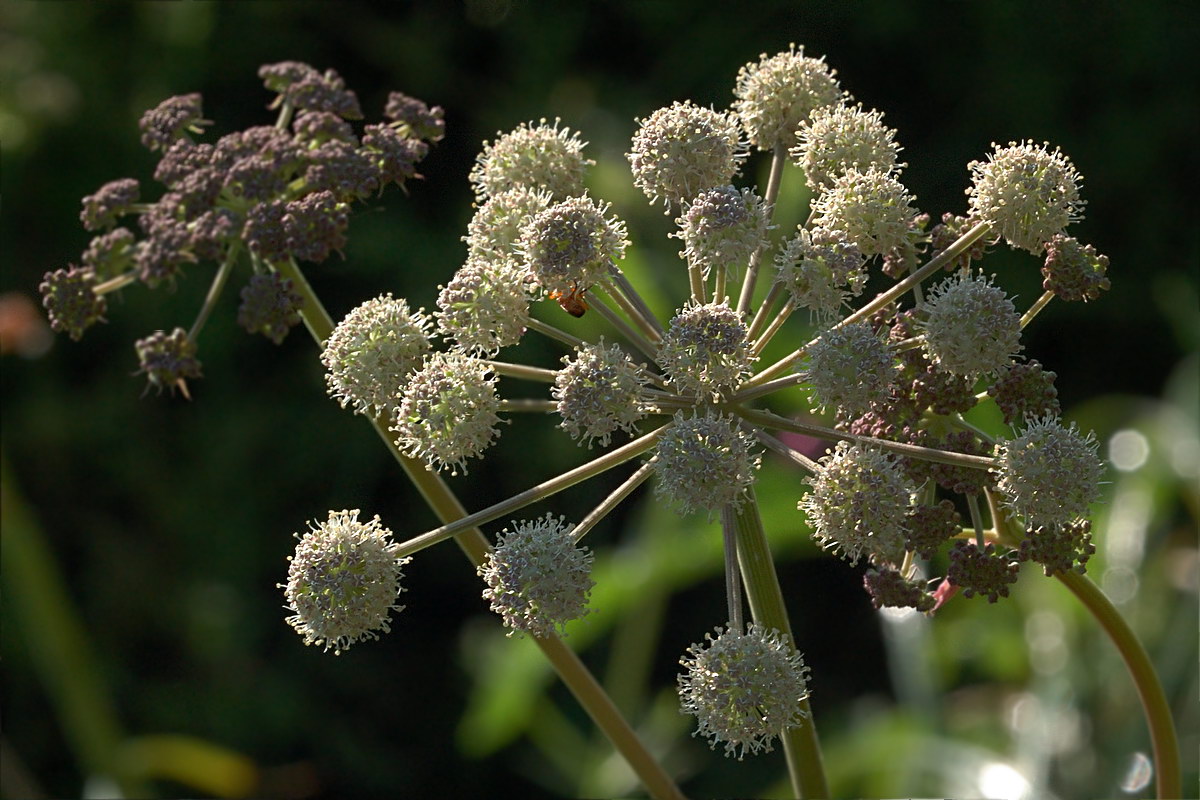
pixel 800 745
pixel 474 544
pixel 1145 679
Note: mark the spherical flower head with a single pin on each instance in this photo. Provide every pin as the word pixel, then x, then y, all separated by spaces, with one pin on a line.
pixel 705 462
pixel 537 579
pixel 821 269
pixel 849 368
pixel 599 392
pixel 1074 271
pixel 706 350
pixel 484 307
pixel 495 229
pixel 448 412
pixel 571 244
pixel 839 138
pixel 743 688
pixel 776 96
pixel 972 328
pixel 168 360
pixel 723 227
pixel 859 504
pixel 538 157
pixel 1025 390
pixel 871 207
pixel 71 301
pixel 682 150
pixel 343 581
pixel 269 306
pixel 112 200
pixel 1050 473
pixel 1026 193
pixel 372 352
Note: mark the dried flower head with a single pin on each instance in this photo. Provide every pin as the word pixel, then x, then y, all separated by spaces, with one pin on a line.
pixel 821 269
pixel 372 352
pixel 343 581
pixel 484 307
pixel 168 360
pixel 705 351
pixel 1073 271
pixel 723 227
pixel 1026 193
pixel 495 230
pixel 839 138
pixel 598 393
pixel 776 96
pixel 537 579
pixel 859 504
pixel 1049 474
pixel 870 206
pixel 269 306
pixel 972 327
pixel 849 368
pixel 743 688
pixel 538 157
pixel 448 411
pixel 705 462
pixel 683 149
pixel 69 296
pixel 571 245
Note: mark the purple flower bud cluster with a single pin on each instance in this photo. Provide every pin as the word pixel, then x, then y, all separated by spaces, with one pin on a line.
pixel 70 298
pixel 981 571
pixel 168 360
pixel 269 306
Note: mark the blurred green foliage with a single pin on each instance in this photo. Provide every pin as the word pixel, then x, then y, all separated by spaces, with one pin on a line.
pixel 169 521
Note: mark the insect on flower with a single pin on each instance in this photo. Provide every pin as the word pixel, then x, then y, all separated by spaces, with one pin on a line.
pixel 571 301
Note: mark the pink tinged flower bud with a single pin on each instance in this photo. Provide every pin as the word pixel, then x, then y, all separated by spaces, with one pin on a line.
pixel 537 579
pixel 1073 271
pixel 1026 193
pixel 538 157
pixel 743 688
pixel 599 392
pixel 1025 390
pixel 448 412
pixel 972 327
pixel 859 504
pixel 705 462
pixel 986 572
pixel 372 352
pixel 1049 474
pixel 888 588
pixel 683 149
pixel 112 200
pixel 269 306
pixel 777 95
pixel 343 581
pixel 171 119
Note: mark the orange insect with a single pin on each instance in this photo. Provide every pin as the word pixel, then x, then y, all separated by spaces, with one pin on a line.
pixel 571 301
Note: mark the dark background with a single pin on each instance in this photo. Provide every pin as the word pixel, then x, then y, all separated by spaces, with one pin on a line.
pixel 170 521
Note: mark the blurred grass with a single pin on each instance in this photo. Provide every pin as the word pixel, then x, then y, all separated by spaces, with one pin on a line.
pixel 170 521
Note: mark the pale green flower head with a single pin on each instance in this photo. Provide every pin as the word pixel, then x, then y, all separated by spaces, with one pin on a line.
pixel 839 138
pixel 537 157
pixel 776 95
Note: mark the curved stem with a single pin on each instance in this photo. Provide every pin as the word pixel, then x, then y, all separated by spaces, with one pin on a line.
pixel 443 502
pixel 800 745
pixel 1169 782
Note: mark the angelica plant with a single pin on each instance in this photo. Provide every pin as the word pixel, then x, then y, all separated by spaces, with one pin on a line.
pixel 683 399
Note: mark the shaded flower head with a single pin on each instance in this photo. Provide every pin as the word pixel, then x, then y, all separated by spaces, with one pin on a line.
pixel 1074 271
pixel 485 306
pixel 572 244
pixel 776 95
pixel 168 360
pixel 171 119
pixel 71 301
pixel 269 306
pixel 850 367
pixel 705 462
pixel 537 579
pixel 343 581
pixel 112 200
pixel 723 227
pixel 539 157
pixel 1049 474
pixel 743 688
pixel 972 327
pixel 683 149
pixel 706 351
pixel 416 118
pixel 598 392
pixel 821 269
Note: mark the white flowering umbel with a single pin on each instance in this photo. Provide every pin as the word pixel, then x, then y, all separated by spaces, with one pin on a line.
pixel 776 96
pixel 495 229
pixel 821 270
pixel 448 412
pixel 1026 192
pixel 537 579
pixel 343 581
pixel 972 328
pixel 706 351
pixel 1049 474
pixel 682 150
pixel 723 227
pixel 743 688
pixel 599 392
pixel 849 368
pixel 484 307
pixel 859 504
pixel 839 138
pixel 572 244
pixel 871 207
pixel 371 353
pixel 540 156
pixel 705 462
